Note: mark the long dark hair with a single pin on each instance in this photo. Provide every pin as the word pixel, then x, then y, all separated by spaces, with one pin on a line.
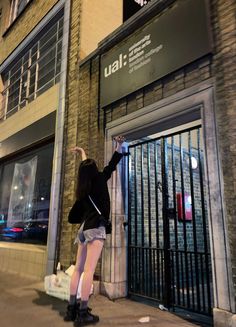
pixel 87 171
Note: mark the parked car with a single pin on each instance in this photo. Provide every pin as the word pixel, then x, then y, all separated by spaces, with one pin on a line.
pixel 15 232
pixel 36 230
pixel 31 231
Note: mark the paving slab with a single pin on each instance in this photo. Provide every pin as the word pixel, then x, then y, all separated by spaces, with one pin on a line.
pixel 23 303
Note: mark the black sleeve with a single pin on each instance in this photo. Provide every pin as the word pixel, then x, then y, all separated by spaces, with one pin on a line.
pixel 107 171
pixel 75 214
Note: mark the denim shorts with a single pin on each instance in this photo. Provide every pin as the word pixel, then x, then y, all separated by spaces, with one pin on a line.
pixel 85 236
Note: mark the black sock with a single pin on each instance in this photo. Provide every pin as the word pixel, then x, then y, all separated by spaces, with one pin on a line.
pixel 83 305
pixel 72 299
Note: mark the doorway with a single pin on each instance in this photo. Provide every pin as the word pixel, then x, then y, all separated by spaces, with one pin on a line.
pixel 185 107
pixel 168 233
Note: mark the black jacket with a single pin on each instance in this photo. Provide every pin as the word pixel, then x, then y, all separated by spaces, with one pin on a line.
pixel 83 210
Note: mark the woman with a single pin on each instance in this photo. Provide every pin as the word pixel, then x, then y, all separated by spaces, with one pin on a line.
pixel 92 192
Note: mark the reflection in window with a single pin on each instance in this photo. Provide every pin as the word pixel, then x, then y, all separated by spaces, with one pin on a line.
pixel 25 196
pixel 17 7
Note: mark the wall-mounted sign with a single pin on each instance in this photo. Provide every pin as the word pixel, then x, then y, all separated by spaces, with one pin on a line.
pixel 178 37
pixel 130 7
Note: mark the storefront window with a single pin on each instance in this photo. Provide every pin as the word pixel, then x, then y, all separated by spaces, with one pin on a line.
pixel 25 196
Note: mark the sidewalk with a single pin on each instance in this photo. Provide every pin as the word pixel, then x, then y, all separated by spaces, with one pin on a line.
pixel 23 303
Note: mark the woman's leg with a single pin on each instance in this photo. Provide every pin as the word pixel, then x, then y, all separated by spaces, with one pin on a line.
pixel 94 249
pixel 79 268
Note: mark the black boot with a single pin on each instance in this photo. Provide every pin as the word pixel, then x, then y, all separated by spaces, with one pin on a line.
pixel 71 312
pixel 85 317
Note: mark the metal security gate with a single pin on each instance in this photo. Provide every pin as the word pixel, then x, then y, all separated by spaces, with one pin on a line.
pixel 168 243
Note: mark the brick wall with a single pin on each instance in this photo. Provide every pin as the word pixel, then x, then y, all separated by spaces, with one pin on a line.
pixel 224 69
pixel 92 121
pixel 221 66
pixel 98 20
pixel 81 128
pixel 67 231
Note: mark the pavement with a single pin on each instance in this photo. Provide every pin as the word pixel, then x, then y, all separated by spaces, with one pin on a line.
pixel 23 303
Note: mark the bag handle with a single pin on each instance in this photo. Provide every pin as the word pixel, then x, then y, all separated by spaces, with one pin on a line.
pixel 95 205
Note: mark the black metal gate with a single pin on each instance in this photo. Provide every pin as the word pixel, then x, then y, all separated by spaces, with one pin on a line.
pixel 168 247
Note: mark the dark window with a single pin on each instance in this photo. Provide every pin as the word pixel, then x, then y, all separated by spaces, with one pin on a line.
pixel 25 196
pixel 130 7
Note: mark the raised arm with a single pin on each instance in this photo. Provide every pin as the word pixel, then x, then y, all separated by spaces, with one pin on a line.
pixel 77 149
pixel 116 157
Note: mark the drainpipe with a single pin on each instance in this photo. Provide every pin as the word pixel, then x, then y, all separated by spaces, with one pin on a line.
pixel 54 212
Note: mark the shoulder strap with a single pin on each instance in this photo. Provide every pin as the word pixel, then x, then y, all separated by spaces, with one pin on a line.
pixel 94 205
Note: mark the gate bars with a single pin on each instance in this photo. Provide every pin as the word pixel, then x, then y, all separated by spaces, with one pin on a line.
pixel 168 242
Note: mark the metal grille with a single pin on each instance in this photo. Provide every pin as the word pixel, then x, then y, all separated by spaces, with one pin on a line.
pixel 168 250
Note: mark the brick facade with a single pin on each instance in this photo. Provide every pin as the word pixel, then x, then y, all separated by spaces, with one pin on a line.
pixel 81 128
pixel 85 121
pixel 219 67
pixel 224 71
pixel 92 120
pixel 70 136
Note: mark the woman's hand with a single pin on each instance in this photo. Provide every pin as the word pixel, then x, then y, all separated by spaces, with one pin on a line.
pixel 77 149
pixel 119 141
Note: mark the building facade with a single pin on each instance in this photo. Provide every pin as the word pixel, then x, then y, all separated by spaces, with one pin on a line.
pixel 160 72
pixel 41 44
pixel 33 60
pixel 165 79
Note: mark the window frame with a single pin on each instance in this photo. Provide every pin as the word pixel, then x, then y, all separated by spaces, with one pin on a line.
pixel 14 10
pixel 34 58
